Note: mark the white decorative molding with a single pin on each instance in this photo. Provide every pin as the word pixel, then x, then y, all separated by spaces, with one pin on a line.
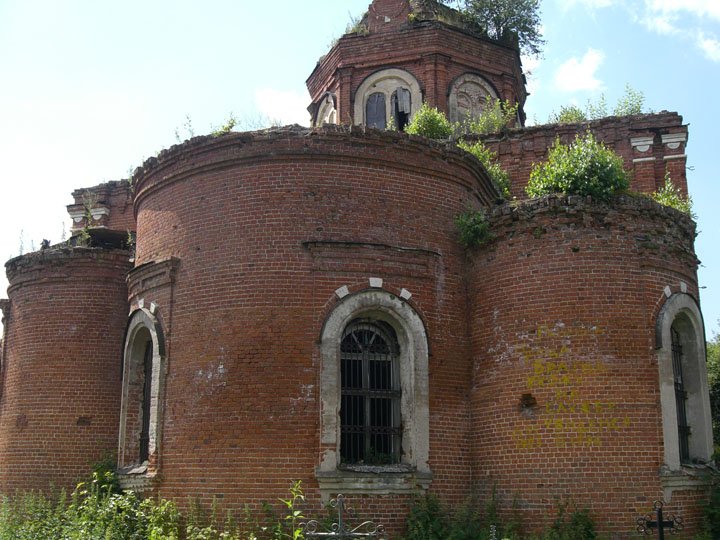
pixel 141 303
pixel 668 292
pixel 342 292
pixel 98 213
pixel 683 287
pixel 674 140
pixel 643 159
pixel 153 307
pixel 77 217
pixel 642 144
pixel 675 156
pixel 405 294
pixel 376 283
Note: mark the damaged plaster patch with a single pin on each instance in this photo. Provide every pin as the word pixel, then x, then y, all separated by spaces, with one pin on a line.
pixel 307 395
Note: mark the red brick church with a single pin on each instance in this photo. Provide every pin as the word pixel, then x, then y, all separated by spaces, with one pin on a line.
pixel 298 307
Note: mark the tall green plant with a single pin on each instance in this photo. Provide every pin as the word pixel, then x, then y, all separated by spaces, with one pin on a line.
pixel 497 116
pixel 488 158
pixel 585 167
pixel 669 195
pixel 431 123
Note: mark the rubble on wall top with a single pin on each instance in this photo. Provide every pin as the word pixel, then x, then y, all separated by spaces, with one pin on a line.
pixel 276 134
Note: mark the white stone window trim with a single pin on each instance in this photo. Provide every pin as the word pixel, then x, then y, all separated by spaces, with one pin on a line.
pixel 142 319
pixel 327 113
pixel 413 472
pixel 386 82
pixel 458 82
pixel 698 403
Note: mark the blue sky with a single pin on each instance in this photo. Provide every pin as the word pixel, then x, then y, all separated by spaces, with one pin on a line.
pixel 88 89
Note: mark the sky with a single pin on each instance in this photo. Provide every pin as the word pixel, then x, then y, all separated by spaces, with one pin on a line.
pixel 91 88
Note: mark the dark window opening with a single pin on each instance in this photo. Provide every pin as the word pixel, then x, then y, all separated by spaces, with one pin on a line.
pixel 401 108
pixel 680 396
pixel 147 389
pixel 370 394
pixel 375 115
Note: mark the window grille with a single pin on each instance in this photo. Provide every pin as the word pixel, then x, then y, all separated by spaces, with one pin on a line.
pixel 147 387
pixel 370 394
pixel 680 396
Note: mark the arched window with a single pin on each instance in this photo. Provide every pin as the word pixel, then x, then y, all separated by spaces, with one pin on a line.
pixel 142 383
pixel 684 398
pixel 375 397
pixel 468 97
pixel 370 394
pixel 389 94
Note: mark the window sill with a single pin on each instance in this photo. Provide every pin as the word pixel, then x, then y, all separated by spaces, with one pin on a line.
pixel 688 477
pixel 138 478
pixel 372 480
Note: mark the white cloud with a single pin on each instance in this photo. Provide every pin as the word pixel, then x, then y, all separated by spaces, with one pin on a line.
pixel 530 65
pixel 710 46
pixel 684 19
pixel 698 8
pixel 580 74
pixel 592 4
pixel 283 106
pixel 662 24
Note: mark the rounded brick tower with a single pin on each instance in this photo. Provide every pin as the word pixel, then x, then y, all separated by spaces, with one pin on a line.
pixel 576 306
pixel 257 256
pixel 61 372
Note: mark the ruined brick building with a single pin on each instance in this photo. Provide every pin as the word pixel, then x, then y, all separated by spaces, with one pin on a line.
pixel 298 307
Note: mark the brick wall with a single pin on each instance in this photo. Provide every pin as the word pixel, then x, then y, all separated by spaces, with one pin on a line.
pixel 111 204
pixel 565 397
pixel 60 378
pixel 266 229
pixel 651 145
pixel 434 53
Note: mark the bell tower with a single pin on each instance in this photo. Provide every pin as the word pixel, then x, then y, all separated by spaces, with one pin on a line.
pixel 404 53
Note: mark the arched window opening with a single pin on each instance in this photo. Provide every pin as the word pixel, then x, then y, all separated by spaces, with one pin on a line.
pixel 389 97
pixel 374 414
pixel 468 97
pixel 142 385
pixel 401 102
pixel 146 396
pixel 680 397
pixel 375 111
pixel 370 394
pixel 683 383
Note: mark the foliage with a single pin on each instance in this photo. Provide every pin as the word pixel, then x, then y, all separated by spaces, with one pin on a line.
pixel 631 102
pixel 585 167
pixel 427 519
pixel 430 520
pixel 669 195
pixel 356 25
pixel 570 114
pixel 473 228
pixel 577 525
pixel 98 510
pixel 497 115
pixel 431 123
pixel 713 369
pixel 504 19
pixel 227 127
pixel 187 128
pixel 711 512
pixel 488 158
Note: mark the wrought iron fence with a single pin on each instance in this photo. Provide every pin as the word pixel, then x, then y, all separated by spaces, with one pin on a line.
pixel 341 529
